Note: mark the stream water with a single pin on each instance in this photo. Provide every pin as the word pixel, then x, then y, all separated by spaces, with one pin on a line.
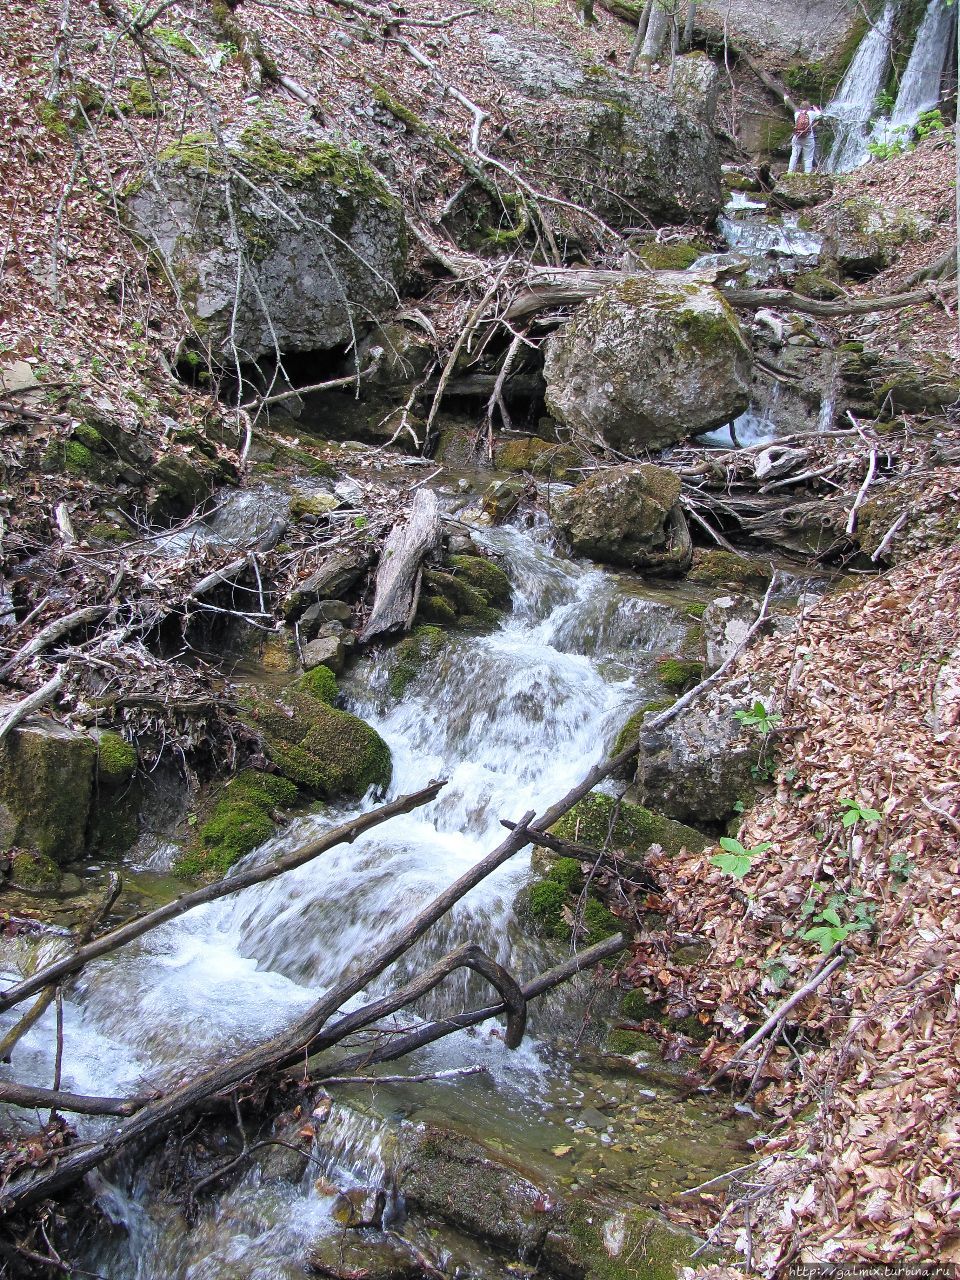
pixel 854 104
pixel 513 719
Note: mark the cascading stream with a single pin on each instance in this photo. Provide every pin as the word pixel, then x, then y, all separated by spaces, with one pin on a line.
pixel 513 719
pixel 851 109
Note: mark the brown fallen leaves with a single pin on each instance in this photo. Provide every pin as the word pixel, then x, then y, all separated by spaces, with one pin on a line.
pixel 863 1086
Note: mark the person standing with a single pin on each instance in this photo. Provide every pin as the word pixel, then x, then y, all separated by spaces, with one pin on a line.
pixel 804 141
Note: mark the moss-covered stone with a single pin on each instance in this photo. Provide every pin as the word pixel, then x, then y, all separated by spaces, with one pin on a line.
pixel 729 569
pixel 538 457
pixel 679 673
pixel 631 729
pixel 312 504
pixel 674 256
pixel 604 822
pixel 817 285
pixel 632 1244
pixel 329 753
pixel 242 819
pixel 628 1043
pixel 34 872
pixel 412 655
pixel 46 788
pixel 105 531
pixel 116 758
pixel 178 485
pixel 321 683
pixel 143 99
pixel 469 592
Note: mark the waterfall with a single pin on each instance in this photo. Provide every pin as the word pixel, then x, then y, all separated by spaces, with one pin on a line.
pixel 853 105
pixel 920 87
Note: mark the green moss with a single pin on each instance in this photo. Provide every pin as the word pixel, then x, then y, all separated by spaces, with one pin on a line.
pixel 679 673
pixel 306 504
pixel 77 458
pixel 637 1007
pixel 35 872
pixel 241 820
pixel 176 40
pixel 629 1043
pixel 817 285
pixel 412 654
pixel 116 758
pixel 631 730
pixel 651 1248
pixel 345 169
pixel 730 569
pixel 328 753
pixel 485 577
pixel 598 921
pixel 433 608
pixel 194 151
pixel 46 785
pixel 102 531
pixel 545 905
pixel 88 436
pixel 51 115
pixel 669 257
pixel 601 821
pixel 694 610
pixel 320 683
pixel 142 99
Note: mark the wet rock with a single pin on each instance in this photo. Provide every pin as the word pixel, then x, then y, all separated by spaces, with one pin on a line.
pixel 648 362
pixel 801 190
pixel 627 516
pixel 348 1257
pixel 46 788
pixel 450 1177
pixel 326 752
pixel 34 872
pixel 336 255
pixel 726 622
pixel 360 1207
pixel 624 146
pixel 414 654
pixel 469 591
pixel 338 574
pixel 114 819
pixel 600 820
pixel 698 766
pixel 538 457
pixel 500 499
pixel 730 568
pixel 636 1244
pixel 242 818
pixel 325 651
pixel 178 486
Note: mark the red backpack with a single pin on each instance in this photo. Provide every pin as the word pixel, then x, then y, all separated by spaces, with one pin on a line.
pixel 803 124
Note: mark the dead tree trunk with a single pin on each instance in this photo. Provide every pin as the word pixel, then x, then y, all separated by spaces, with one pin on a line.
pixel 398 577
pixel 658 28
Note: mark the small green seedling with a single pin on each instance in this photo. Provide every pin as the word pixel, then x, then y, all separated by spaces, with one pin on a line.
pixel 855 812
pixel 829 929
pixel 758 717
pixel 736 860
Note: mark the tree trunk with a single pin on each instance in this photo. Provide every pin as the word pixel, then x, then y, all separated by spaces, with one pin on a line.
pixel 688 26
pixel 398 577
pixel 657 29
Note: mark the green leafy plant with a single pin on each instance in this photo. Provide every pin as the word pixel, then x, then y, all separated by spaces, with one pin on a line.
pixel 360 522
pixel 930 122
pixel 829 929
pixel 901 868
pixel 758 717
pixel 857 812
pixel 896 144
pixel 884 102
pixel 736 860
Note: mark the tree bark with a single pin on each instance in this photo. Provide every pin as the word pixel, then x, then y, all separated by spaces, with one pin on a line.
pixel 398 574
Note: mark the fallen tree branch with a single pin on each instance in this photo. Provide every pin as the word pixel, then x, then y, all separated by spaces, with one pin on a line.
pixel 829 967
pixel 346 833
pixel 51 633
pixel 861 494
pixel 33 702
pixel 398 573
pixel 19 1095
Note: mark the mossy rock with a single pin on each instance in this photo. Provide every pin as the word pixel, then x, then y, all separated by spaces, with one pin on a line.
pixel 116 759
pixel 631 729
pixel 601 821
pixel 321 683
pixel 556 897
pixel 628 1044
pixel 631 1244
pixel 326 752
pixel 539 458
pixel 46 788
pixel 414 652
pixel 312 504
pixel 242 819
pixel 179 485
pixel 143 99
pixel 726 568
pixel 108 531
pixel 34 872
pixel 670 257
pixel 817 285
pixel 679 673
pixel 469 592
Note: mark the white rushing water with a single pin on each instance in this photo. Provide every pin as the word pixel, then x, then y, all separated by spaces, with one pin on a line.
pixel 513 719
pixel 921 83
pixel 852 108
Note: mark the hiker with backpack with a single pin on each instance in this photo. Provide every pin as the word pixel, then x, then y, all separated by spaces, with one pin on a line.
pixel 804 141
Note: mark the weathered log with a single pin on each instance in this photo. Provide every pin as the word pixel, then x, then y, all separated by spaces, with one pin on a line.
pixel 398 573
pixel 570 286
pixel 346 833
pixel 19 1095
pixel 32 702
pixel 51 633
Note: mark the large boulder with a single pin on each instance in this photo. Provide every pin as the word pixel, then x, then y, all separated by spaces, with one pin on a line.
pixel 322 241
pixel 702 762
pixel 47 776
pixel 622 146
pixel 648 361
pixel 865 236
pixel 627 516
